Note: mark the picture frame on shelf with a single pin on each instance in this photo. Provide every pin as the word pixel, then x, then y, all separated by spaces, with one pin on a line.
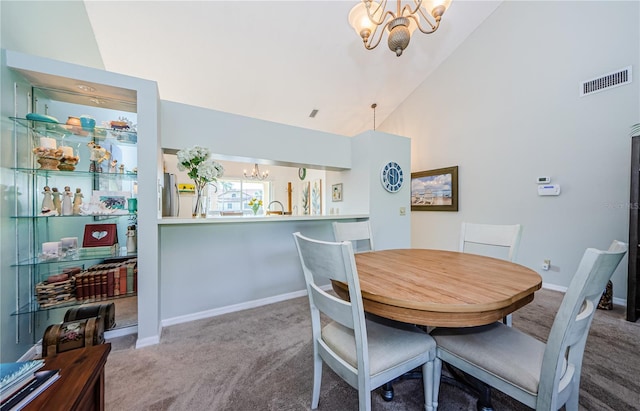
pixel 100 235
pixel 336 192
pixel 112 200
pixel 435 190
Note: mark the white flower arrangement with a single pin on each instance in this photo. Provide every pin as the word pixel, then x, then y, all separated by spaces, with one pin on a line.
pixel 201 168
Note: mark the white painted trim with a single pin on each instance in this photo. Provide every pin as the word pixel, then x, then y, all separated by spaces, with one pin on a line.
pixel 145 342
pixel 554 287
pixel 236 307
pixel 32 353
pixel 121 332
pixel 231 308
pixel 616 301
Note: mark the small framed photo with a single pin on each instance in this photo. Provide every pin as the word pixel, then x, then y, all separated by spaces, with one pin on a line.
pixel 112 200
pixel 69 243
pixel 435 190
pixel 100 235
pixel 336 192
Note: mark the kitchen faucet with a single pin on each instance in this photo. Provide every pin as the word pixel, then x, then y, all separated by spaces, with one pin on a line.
pixel 276 202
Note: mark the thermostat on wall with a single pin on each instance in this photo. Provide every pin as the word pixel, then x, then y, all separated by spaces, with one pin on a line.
pixel 549 189
pixel 544 180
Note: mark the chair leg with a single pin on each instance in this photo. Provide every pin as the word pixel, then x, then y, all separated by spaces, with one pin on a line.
pixel 364 399
pixel 427 381
pixel 572 401
pixel 317 379
pixel 437 372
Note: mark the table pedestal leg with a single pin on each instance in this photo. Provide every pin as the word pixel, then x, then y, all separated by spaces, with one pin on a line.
pixel 471 385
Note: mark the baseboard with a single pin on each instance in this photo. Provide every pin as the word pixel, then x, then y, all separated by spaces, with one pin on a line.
pixel 145 342
pixel 616 301
pixel 554 287
pixel 120 332
pixel 236 307
pixel 34 352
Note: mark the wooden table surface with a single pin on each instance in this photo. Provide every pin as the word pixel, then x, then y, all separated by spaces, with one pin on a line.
pixel 441 288
pixel 81 382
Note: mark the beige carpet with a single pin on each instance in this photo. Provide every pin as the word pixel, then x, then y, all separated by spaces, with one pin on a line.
pixel 260 359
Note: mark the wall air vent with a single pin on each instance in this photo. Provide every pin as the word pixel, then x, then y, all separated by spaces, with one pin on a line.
pixel 606 81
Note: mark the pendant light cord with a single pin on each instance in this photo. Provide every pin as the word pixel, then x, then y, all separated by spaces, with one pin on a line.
pixel 373 106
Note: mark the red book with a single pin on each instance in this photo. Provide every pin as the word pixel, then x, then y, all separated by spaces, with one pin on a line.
pixel 110 285
pixel 85 285
pixel 92 285
pixel 79 289
pixel 103 284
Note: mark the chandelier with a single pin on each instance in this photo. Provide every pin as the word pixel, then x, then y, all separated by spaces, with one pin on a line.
pixel 256 174
pixel 370 20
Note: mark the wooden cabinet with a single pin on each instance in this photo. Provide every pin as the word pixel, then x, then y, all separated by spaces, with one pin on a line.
pixel 81 383
pixel 633 283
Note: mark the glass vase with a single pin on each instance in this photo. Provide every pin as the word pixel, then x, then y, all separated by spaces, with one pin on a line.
pixel 200 204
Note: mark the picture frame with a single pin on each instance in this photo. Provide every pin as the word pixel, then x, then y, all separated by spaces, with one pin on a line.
pixel 435 190
pixel 100 235
pixel 336 192
pixel 112 200
pixel 186 188
pixel 316 197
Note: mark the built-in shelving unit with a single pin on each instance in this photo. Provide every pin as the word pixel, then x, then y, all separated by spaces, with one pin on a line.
pixel 36 224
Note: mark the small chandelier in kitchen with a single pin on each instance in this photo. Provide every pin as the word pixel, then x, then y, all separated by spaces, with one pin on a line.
pixel 256 174
pixel 371 19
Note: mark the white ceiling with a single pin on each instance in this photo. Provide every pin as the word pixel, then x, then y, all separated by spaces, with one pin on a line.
pixel 272 60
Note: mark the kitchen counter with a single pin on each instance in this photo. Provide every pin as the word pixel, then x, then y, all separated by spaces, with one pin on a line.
pixel 258 219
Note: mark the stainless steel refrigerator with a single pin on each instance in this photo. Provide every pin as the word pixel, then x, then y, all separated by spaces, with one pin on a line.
pixel 170 196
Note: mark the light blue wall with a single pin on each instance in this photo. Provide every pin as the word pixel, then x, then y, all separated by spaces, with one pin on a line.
pixel 242 138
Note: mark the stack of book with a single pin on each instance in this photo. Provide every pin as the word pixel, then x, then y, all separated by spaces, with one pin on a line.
pixel 107 280
pixel 21 382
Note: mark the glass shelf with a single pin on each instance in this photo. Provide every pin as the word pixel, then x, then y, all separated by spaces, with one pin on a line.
pixel 95 216
pixel 75 134
pixel 78 173
pixel 106 257
pixel 35 307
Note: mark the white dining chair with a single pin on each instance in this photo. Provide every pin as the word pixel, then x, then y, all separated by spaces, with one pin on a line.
pixel 357 232
pixel 541 376
pixel 364 352
pixel 489 239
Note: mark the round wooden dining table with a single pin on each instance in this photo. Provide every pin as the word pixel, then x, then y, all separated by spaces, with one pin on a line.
pixel 441 288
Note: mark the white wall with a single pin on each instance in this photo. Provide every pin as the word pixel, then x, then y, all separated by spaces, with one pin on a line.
pixel 505 108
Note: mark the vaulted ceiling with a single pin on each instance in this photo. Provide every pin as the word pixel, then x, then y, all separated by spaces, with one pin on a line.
pixel 272 60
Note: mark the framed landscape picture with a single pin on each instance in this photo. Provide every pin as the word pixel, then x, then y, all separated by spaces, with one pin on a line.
pixel 435 190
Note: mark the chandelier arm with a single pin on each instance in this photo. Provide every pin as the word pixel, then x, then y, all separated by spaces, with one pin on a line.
pixel 418 3
pixel 434 27
pixel 383 17
pixel 371 43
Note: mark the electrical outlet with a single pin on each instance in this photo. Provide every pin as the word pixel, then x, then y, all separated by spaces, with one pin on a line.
pixel 546 264
pixel 403 211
